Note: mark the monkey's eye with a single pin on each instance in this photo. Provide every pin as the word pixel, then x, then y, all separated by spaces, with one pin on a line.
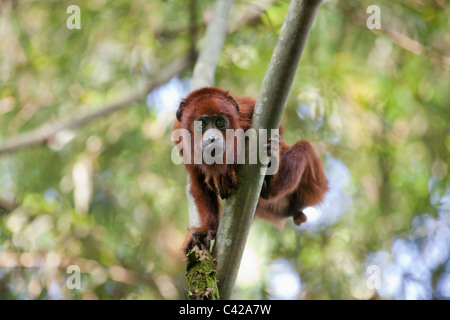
pixel 200 124
pixel 220 123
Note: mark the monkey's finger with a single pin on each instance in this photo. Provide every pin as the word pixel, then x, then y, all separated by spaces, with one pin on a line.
pixel 276 136
pixel 274 143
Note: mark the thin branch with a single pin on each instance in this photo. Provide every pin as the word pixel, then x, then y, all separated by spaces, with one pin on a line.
pixel 47 132
pixel 417 48
pixel 251 14
pixel 403 41
pixel 240 207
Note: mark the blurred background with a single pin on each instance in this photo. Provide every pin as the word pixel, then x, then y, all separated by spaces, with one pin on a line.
pixel 107 198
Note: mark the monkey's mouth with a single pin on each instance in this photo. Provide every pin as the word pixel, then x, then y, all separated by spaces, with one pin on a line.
pixel 213 149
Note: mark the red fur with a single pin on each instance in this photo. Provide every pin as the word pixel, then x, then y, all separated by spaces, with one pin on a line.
pixel 299 182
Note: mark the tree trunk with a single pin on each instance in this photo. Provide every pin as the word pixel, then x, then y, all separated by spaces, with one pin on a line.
pixel 240 206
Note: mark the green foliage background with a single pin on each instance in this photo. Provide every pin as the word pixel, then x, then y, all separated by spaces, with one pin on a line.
pixel 107 197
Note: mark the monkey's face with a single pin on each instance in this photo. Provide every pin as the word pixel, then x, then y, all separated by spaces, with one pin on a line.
pixel 213 129
pixel 207 114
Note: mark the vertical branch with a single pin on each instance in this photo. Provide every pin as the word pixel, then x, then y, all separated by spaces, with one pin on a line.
pixel 205 67
pixel 200 267
pixel 240 207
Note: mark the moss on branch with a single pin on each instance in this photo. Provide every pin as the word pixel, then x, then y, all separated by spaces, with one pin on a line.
pixel 201 275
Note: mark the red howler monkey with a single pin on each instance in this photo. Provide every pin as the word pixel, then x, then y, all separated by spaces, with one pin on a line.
pixel 300 181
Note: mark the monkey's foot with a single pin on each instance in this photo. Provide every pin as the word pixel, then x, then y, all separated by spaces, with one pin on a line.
pixel 299 218
pixel 200 238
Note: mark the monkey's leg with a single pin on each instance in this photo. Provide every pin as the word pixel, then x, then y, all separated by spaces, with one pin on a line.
pixel 293 163
pixel 299 166
pixel 300 171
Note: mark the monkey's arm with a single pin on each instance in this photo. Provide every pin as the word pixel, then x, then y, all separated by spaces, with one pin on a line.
pixel 207 205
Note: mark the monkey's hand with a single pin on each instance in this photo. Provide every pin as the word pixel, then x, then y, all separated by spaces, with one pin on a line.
pixel 226 184
pixel 273 151
pixel 273 146
pixel 200 237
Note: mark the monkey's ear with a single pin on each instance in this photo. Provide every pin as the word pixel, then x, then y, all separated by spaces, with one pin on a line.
pixel 180 109
pixel 236 106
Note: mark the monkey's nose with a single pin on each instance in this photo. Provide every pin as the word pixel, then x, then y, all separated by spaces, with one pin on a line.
pixel 211 139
